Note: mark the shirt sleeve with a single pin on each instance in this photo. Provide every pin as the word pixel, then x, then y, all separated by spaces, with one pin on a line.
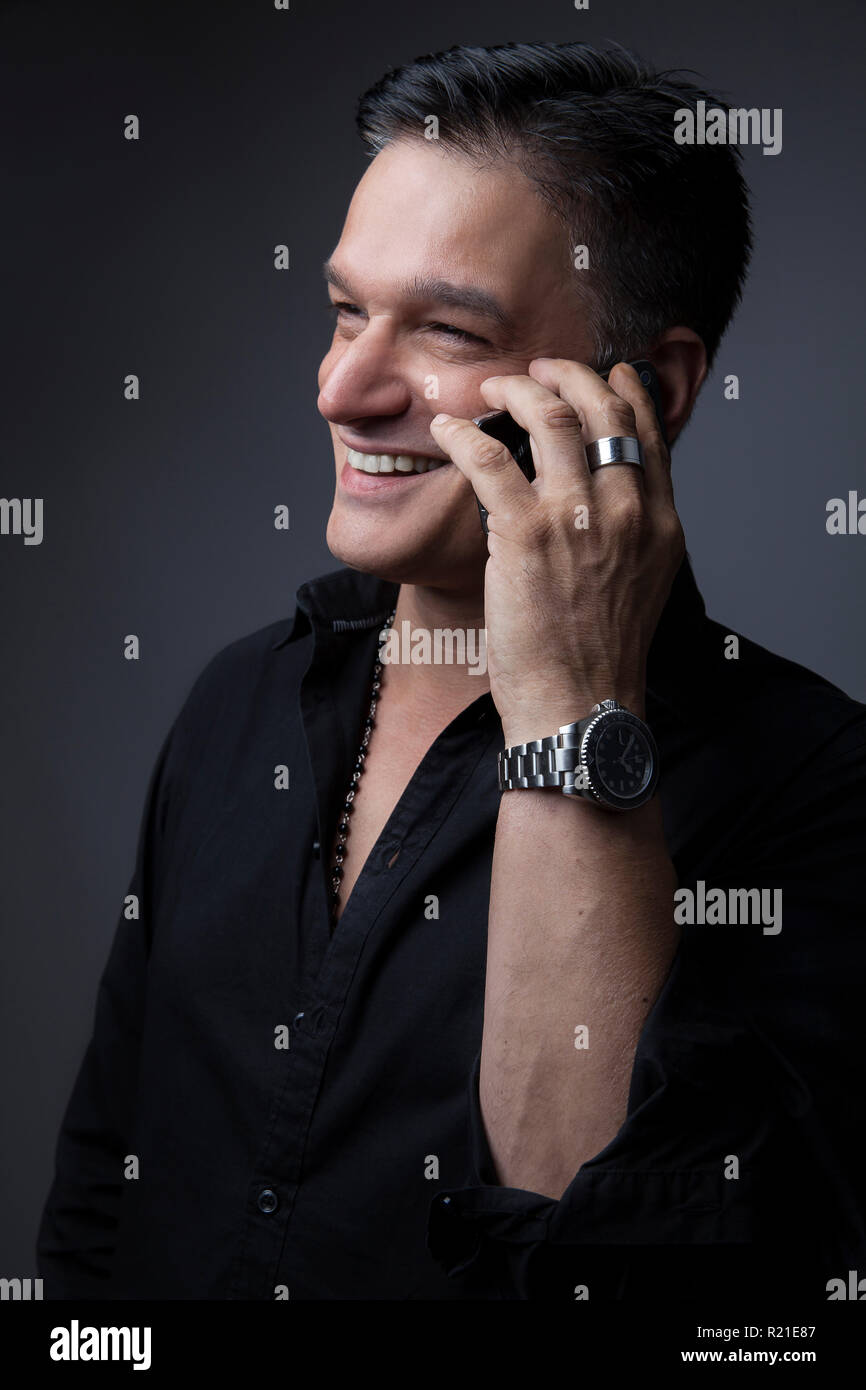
pixel 77 1232
pixel 739 1166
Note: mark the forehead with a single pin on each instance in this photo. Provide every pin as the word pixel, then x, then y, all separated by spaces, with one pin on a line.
pixel 420 208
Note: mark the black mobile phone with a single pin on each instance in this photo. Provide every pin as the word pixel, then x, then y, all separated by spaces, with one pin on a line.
pixel 500 425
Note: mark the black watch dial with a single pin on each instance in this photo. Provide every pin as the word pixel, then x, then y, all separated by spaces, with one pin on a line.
pixel 623 759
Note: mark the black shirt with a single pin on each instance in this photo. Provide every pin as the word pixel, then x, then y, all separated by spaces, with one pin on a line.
pixel 266 1110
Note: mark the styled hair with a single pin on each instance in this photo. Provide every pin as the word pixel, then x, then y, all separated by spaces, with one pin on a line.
pixel 667 225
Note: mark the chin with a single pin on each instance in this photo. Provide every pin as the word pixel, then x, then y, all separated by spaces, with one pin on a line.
pixel 430 561
pixel 385 561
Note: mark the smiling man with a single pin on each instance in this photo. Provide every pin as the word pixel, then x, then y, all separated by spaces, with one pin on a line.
pixel 409 1010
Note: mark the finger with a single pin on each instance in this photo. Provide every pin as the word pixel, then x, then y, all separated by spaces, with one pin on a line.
pixel 552 424
pixel 603 412
pixel 576 383
pixel 495 478
pixel 657 459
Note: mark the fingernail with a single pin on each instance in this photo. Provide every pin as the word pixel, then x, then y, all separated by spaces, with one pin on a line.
pixel 440 419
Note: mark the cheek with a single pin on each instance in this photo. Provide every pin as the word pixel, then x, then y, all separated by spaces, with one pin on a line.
pixel 463 392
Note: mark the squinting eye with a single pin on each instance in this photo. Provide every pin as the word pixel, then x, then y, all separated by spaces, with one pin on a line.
pixel 341 307
pixel 451 332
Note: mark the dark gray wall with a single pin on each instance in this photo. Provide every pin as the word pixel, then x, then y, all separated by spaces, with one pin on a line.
pixel 155 258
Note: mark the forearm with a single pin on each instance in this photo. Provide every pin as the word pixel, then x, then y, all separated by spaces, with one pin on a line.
pixel 580 931
pixel 581 936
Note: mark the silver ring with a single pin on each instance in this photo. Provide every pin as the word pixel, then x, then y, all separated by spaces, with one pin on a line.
pixel 621 448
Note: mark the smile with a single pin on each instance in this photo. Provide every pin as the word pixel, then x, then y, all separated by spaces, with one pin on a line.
pixel 392 463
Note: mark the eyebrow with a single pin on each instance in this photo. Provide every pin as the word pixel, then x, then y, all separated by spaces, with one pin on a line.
pixel 425 287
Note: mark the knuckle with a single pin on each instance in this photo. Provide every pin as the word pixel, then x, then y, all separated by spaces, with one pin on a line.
pixel 558 415
pixel 627 512
pixel 489 453
pixel 673 533
pixel 618 414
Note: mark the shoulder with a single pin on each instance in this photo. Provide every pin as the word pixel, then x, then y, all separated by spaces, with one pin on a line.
pixel 246 689
pixel 767 757
pixel 792 750
pixel 240 664
pixel 792 712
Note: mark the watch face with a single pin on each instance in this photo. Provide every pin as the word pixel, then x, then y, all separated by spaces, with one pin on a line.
pixel 622 758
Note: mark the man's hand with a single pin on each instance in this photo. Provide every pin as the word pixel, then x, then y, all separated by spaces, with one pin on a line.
pixel 581 929
pixel 580 563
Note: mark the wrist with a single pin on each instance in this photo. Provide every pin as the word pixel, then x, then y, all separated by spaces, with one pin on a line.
pixel 540 718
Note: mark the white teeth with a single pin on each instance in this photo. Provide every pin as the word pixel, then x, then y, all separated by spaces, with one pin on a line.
pixel 391 463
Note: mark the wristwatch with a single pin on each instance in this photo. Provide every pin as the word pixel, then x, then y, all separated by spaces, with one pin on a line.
pixel 609 758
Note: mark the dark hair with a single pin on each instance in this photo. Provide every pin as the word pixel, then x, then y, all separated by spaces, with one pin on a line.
pixel 667 225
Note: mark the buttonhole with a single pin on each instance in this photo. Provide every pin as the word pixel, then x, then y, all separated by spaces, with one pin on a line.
pixel 393 859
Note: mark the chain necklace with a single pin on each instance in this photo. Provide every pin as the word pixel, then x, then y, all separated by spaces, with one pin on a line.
pixel 343 826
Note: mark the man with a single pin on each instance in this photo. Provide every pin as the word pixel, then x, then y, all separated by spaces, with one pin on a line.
pixel 388 1026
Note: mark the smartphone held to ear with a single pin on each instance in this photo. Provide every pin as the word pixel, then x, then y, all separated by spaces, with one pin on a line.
pixel 500 425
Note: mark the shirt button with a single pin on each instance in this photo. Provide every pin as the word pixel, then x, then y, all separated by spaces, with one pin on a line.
pixel 268 1200
pixel 316 848
pixel 297 1018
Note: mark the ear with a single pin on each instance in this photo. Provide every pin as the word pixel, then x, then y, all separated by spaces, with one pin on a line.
pixel 680 358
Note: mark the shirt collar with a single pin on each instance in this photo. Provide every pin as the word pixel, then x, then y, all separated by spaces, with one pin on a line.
pixel 347 600
pixel 344 600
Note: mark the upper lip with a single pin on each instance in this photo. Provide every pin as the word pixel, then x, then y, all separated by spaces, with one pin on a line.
pixel 395 449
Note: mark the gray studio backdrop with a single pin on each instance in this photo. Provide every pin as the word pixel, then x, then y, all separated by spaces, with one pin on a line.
pixel 155 258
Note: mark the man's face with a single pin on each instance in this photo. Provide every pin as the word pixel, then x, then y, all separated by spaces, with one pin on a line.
pixel 423 229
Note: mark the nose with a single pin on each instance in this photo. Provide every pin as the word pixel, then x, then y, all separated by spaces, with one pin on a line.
pixel 364 379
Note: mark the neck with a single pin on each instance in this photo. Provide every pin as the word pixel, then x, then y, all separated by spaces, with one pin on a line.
pixel 439 649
